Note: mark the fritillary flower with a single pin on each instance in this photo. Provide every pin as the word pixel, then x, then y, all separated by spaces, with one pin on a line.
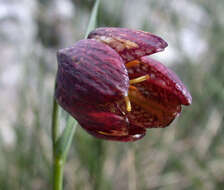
pixel 111 86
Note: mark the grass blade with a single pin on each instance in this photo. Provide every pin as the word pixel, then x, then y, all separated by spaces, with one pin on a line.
pixel 93 18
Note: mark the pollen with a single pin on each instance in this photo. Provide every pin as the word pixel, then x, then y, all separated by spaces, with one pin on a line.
pixel 104 133
pixel 113 133
pixel 128 103
pixel 139 79
pixel 132 63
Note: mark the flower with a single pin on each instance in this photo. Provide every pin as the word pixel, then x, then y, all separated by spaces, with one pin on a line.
pixel 113 89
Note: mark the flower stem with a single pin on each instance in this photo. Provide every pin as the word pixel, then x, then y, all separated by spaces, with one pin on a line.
pixel 58 169
pixel 61 145
pixel 57 163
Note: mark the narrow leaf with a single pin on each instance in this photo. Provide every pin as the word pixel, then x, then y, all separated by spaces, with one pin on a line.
pixel 93 18
pixel 64 142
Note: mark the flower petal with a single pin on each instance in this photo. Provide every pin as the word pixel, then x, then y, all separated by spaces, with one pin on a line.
pixel 130 44
pixel 126 138
pixel 162 76
pixel 111 126
pixel 148 112
pixel 91 72
pixel 157 100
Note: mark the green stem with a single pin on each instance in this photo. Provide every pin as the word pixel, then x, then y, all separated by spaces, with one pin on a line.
pixel 57 163
pixel 61 146
pixel 58 170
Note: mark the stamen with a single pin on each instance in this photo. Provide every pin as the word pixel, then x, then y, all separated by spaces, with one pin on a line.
pixel 139 79
pixel 128 103
pixel 132 63
pixel 132 87
pixel 113 133
pixel 104 133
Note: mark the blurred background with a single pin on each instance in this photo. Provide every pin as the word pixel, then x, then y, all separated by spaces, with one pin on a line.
pixel 188 155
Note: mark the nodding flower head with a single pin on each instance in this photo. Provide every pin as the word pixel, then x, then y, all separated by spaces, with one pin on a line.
pixel 113 89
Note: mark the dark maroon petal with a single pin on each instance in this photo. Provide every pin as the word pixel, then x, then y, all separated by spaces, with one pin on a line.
pixel 90 72
pixel 106 122
pixel 156 101
pixel 130 44
pixel 112 127
pixel 162 76
pixel 148 111
pixel 127 138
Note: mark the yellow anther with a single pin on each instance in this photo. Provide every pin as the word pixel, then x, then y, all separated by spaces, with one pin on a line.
pixel 139 79
pixel 113 133
pixel 128 103
pixel 104 133
pixel 132 63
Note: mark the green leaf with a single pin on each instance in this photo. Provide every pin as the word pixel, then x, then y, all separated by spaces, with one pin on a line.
pixel 93 18
pixel 64 142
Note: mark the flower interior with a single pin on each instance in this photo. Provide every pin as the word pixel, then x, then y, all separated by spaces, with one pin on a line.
pixel 155 92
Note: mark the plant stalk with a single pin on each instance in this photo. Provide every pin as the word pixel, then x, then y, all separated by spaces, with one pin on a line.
pixel 58 164
pixel 58 170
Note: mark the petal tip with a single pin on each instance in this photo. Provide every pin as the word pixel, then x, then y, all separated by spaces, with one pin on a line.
pixel 188 99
